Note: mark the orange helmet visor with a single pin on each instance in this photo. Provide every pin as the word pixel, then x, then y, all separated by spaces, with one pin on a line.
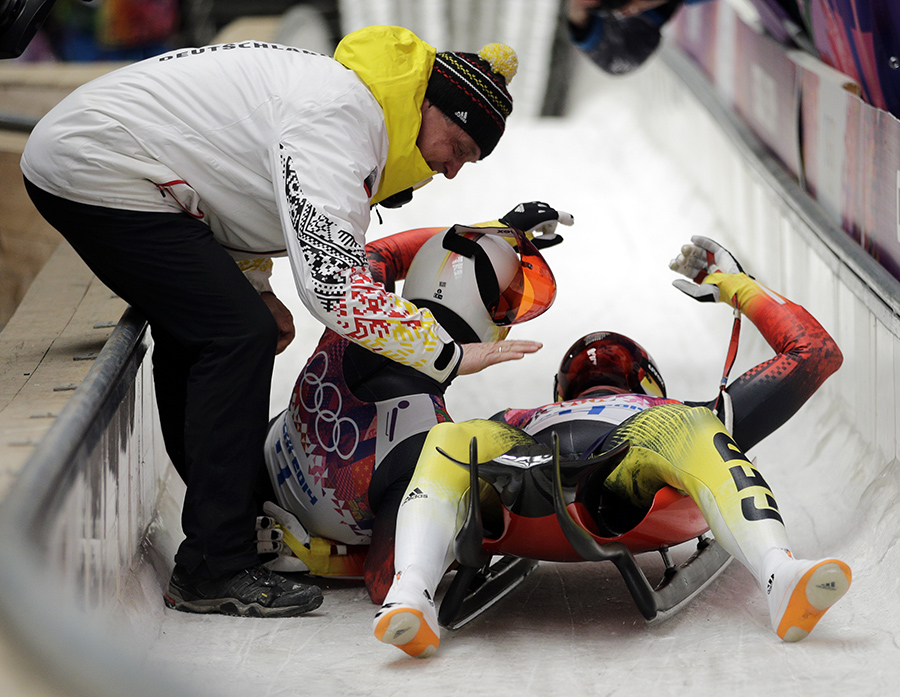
pixel 532 290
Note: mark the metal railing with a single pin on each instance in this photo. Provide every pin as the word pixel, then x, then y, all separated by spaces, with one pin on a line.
pixel 16 122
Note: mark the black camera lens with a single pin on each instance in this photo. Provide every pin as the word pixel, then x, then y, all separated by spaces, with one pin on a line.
pixel 19 22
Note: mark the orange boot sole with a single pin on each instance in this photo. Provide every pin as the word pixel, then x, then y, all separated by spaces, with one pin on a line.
pixel 818 589
pixel 408 630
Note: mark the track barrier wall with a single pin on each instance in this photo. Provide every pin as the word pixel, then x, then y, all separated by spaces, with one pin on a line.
pixel 801 241
pixel 72 524
pixel 843 151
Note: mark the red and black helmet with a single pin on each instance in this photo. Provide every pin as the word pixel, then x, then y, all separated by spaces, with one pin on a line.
pixel 607 359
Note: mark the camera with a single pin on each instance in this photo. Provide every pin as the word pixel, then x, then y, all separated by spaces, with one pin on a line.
pixel 19 22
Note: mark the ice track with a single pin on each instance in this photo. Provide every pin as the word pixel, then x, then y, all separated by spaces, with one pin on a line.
pixel 572 629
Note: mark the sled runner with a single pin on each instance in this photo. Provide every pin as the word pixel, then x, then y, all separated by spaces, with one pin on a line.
pixel 553 510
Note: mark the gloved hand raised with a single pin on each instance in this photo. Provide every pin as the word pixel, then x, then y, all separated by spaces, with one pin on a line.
pixel 539 220
pixel 697 261
pixel 279 532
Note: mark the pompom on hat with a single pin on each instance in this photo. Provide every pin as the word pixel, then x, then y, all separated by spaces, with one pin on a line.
pixel 471 90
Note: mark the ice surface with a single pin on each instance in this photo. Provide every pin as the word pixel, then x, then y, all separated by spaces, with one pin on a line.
pixel 572 628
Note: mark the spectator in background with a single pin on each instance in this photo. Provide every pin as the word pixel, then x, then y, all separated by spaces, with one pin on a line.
pixel 619 35
pixel 112 30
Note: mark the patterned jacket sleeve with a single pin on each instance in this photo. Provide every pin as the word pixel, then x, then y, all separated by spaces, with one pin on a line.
pixel 767 395
pixel 324 233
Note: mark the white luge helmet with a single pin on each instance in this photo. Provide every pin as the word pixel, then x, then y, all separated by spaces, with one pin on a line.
pixel 478 281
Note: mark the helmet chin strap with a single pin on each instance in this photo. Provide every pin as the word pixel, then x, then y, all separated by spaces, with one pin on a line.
pixel 723 401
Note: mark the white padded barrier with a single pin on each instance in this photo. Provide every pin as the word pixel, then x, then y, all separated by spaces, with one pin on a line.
pixel 73 524
pixel 775 227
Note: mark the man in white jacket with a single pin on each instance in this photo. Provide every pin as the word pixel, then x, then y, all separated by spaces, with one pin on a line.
pixel 165 172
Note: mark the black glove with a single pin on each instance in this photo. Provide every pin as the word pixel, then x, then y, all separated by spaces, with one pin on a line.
pixel 539 221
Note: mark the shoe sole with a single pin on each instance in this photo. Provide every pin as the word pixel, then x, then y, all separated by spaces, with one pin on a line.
pixel 235 608
pixel 408 630
pixel 816 591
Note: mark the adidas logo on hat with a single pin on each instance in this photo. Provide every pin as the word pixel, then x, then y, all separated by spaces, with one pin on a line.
pixel 471 89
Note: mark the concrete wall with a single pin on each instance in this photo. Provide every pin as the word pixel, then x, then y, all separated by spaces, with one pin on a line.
pixel 26 240
pixel 27 92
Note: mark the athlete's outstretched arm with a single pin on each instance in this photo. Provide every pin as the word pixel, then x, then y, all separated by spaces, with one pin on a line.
pixel 390 257
pixel 768 395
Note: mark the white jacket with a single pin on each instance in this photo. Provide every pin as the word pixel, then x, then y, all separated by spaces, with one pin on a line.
pixel 279 150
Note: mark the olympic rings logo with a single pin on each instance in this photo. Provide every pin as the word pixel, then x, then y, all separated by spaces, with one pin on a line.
pixel 334 433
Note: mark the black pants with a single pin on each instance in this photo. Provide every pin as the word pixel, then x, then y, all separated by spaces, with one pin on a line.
pixel 214 350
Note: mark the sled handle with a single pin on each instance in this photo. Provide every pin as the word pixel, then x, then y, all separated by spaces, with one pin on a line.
pixel 467 545
pixel 591 550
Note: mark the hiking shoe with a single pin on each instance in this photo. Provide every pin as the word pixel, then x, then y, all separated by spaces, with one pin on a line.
pixel 253 592
pixel 408 619
pixel 799 593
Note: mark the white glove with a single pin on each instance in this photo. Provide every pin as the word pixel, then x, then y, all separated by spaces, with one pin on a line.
pixel 697 261
pixel 539 221
pixel 276 533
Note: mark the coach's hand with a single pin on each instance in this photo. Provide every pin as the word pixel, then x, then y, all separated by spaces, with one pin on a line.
pixel 283 318
pixel 477 357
